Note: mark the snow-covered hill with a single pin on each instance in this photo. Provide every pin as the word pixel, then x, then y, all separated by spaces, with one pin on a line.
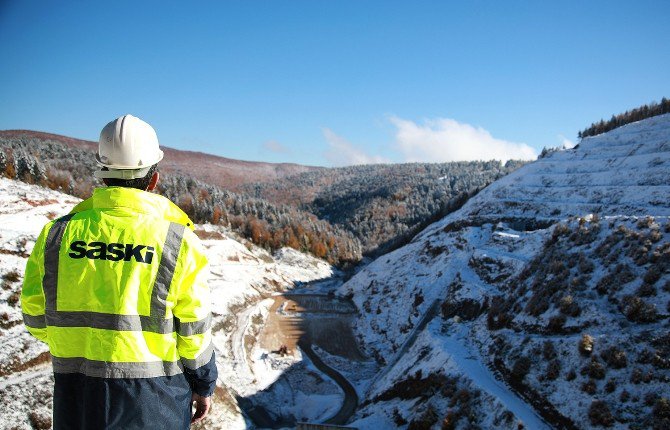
pixel 544 300
pixel 242 275
pixel 625 171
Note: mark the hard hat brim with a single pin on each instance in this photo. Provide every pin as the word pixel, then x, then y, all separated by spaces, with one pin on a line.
pixel 159 157
pixel 122 173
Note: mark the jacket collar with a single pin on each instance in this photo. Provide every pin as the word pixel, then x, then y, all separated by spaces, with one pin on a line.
pixel 136 200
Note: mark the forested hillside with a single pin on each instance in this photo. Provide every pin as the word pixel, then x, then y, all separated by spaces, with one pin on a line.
pixel 384 205
pixel 336 214
pixel 70 169
pixel 223 172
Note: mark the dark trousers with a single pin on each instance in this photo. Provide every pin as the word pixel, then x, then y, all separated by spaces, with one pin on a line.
pixel 86 403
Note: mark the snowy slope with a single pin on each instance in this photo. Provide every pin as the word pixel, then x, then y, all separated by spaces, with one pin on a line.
pixel 519 276
pixel 242 275
pixel 624 171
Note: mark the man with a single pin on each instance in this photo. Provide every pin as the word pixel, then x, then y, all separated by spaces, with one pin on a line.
pixel 118 290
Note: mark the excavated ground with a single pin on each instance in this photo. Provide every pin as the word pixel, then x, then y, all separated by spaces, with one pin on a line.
pixel 315 319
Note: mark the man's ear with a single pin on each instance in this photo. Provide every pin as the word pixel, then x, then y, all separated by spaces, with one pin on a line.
pixel 154 182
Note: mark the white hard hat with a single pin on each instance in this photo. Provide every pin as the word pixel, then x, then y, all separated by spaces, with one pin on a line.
pixel 128 147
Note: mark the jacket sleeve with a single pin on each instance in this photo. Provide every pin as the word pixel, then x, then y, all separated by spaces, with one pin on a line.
pixel 32 293
pixel 192 312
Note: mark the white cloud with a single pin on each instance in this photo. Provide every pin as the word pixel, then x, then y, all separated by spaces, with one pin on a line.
pixel 445 139
pixel 276 147
pixel 565 142
pixel 341 152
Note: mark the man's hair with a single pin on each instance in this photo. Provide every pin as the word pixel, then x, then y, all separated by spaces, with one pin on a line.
pixel 139 183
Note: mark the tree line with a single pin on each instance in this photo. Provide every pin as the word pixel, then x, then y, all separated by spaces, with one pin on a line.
pixel 336 214
pixel 637 114
pixel 60 167
pixel 385 205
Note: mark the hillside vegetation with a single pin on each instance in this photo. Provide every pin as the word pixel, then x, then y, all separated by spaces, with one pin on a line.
pixel 335 214
pixel 553 291
pixel 637 114
pixel 223 172
pixel 384 205
pixel 59 166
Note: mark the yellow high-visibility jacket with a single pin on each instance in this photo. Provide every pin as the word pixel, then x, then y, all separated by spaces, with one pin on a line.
pixel 118 289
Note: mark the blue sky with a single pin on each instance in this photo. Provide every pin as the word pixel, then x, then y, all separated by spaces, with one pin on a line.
pixel 333 82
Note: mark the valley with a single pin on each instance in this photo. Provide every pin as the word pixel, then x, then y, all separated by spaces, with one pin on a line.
pixel 542 302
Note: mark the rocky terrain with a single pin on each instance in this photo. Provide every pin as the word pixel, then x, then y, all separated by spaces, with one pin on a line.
pixel 546 298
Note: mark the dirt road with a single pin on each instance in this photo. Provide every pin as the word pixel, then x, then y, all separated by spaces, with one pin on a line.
pixel 350 397
pixel 301 321
pixel 319 319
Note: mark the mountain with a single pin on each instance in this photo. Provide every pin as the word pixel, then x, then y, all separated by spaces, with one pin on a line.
pixel 333 213
pixel 545 300
pixel 220 171
pixel 384 205
pixel 60 164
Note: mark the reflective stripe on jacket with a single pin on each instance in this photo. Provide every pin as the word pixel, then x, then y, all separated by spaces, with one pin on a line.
pixel 118 289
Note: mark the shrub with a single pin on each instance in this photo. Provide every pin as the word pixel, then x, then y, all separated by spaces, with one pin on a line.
pixel 548 350
pixel 553 369
pixel 461 396
pixel 646 290
pixel 521 368
pixel 449 422
pixel 498 315
pixel 637 310
pixel 645 222
pixel 610 386
pixel 615 357
pixel 39 421
pixel 568 306
pixel 586 265
pixel 600 415
pixel 466 309
pixel 425 421
pixel 539 302
pixel 624 396
pixel 589 387
pixel 257 319
pixel 650 398
pixel 637 376
pixel 555 324
pixel 662 408
pixel 398 419
pixel 652 275
pixel 415 386
pixel 571 375
pixel 586 345
pixel 594 369
pixel 563 230
pixel 615 280
pixel 12 276
pixel 640 255
pixel 13 298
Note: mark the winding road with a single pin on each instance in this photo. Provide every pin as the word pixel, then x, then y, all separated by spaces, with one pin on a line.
pixel 350 397
pixel 301 321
